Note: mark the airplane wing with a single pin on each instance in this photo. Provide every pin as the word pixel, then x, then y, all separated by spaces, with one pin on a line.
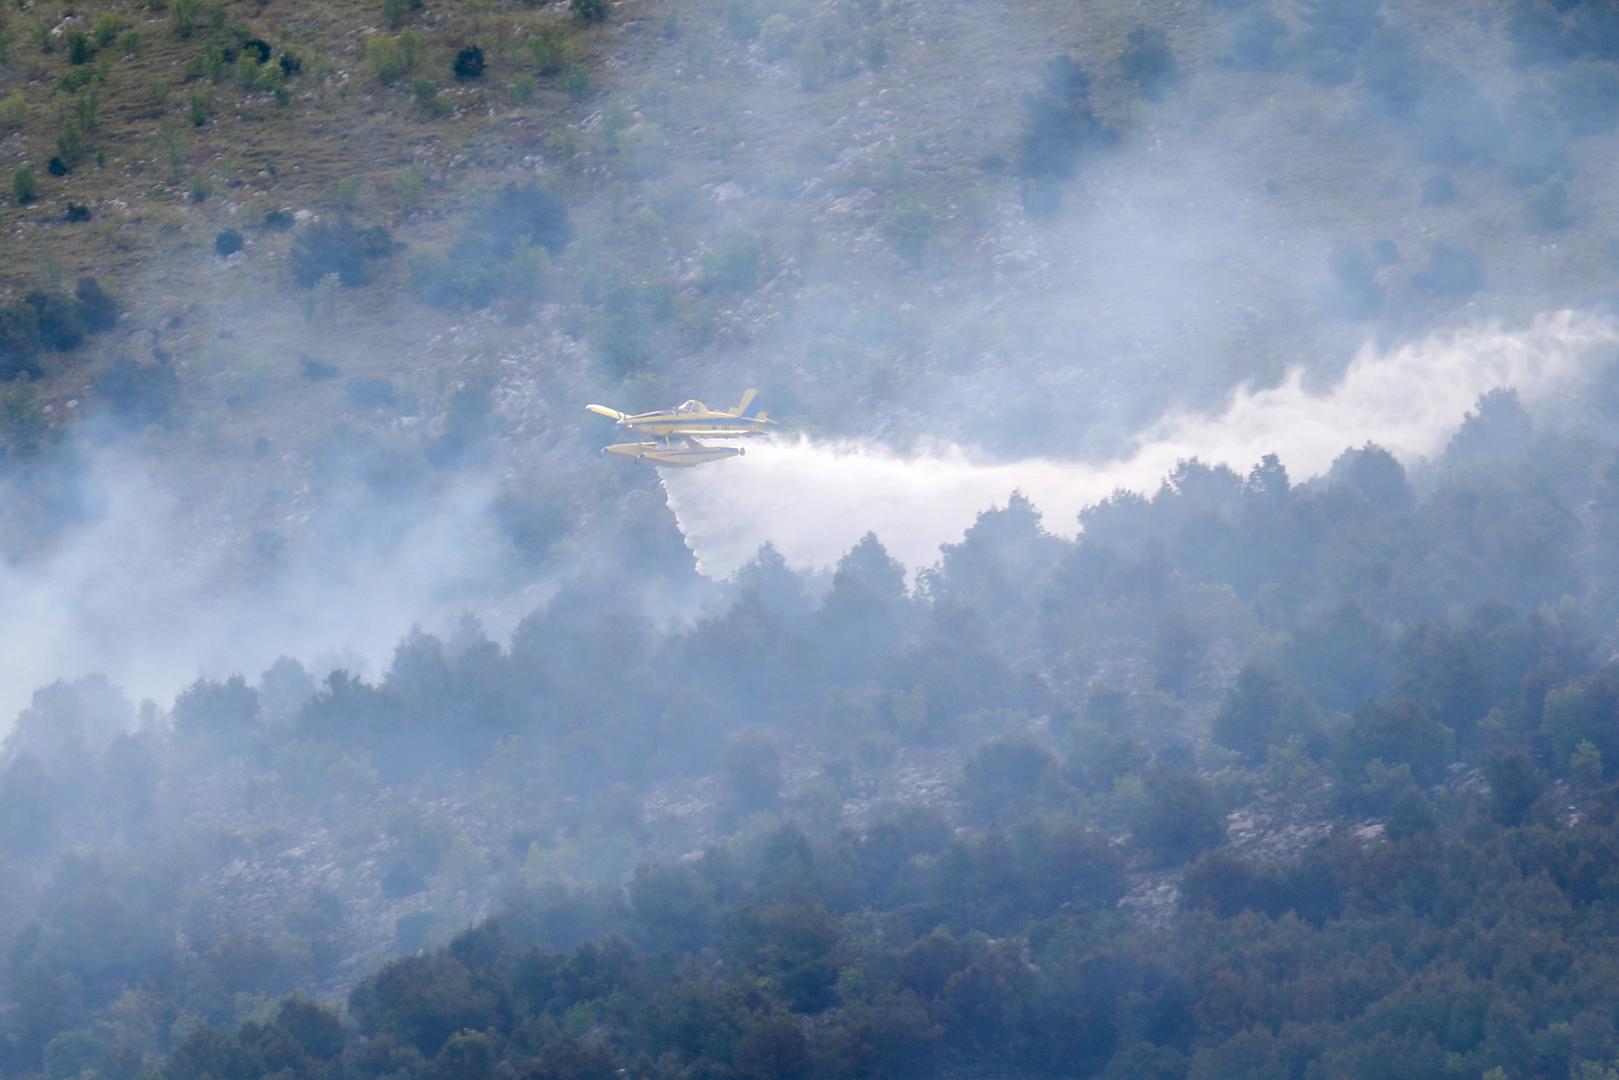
pixel 602 410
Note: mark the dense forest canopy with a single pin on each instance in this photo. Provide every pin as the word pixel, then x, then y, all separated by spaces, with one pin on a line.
pixel 369 725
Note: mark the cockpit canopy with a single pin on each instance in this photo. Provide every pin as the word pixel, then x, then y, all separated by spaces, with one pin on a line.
pixel 691 406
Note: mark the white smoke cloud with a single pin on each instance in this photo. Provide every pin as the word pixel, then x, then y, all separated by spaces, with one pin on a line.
pixel 814 500
pixel 150 597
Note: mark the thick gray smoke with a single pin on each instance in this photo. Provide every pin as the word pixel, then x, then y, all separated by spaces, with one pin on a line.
pixel 814 499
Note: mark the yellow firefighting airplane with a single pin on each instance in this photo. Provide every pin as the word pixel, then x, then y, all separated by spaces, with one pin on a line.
pixel 675 432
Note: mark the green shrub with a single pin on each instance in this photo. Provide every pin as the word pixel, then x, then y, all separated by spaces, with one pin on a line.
pixel 185 14
pixel 520 89
pixel 129 41
pixel 79 47
pixel 552 51
pixel 425 93
pixel 197 107
pixel 13 110
pixel 576 83
pixel 172 148
pixel 589 10
pixel 24 186
pixel 271 79
pixel 392 58
pixel 76 79
pixel 87 109
pixel 71 145
pixel 395 12
pixel 406 185
pixel 346 195
pixel 107 29
pixel 529 273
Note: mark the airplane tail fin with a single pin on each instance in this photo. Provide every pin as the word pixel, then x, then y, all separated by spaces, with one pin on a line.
pixel 747 399
pixel 602 410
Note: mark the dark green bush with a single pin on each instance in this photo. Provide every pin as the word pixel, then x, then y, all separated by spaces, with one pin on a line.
pixel 469 63
pixel 1147 62
pixel 589 10
pixel 79 47
pixel 228 242
pixel 138 393
pixel 61 326
pixel 519 212
pixel 1178 817
pixel 20 343
pixel 340 248
pixel 96 306
pixel 24 186
pixel 1059 127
